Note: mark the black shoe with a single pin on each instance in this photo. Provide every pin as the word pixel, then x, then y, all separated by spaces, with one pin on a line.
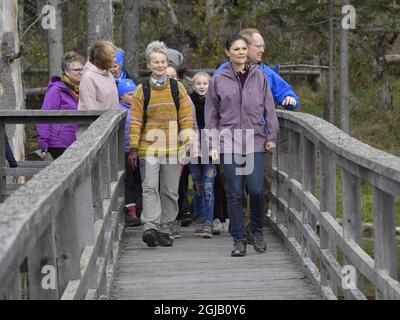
pixel 259 242
pixel 164 240
pixel 132 221
pixel 239 248
pixel 150 237
pixel 186 219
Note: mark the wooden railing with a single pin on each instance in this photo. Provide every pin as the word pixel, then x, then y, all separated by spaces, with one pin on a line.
pixel 304 207
pixel 63 227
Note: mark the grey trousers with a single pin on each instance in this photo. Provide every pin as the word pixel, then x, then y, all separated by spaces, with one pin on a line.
pixel 160 183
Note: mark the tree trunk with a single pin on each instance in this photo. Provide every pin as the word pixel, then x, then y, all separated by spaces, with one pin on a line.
pixel 330 112
pixel 55 42
pixel 74 26
pixel 20 15
pixel 210 10
pixel 130 35
pixel 385 99
pixel 344 76
pixel 100 20
pixel 11 88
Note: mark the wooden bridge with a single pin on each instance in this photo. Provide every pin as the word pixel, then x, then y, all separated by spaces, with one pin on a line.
pixel 62 233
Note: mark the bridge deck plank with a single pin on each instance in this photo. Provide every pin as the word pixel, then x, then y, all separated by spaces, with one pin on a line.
pixel 196 268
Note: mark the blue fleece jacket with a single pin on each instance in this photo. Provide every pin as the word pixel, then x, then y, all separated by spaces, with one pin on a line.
pixel 280 88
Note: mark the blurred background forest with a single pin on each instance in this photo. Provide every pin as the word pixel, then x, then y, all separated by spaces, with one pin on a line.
pixel 295 32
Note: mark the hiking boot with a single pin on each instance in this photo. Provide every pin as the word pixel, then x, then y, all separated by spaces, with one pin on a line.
pixel 175 230
pixel 216 227
pixel 198 229
pixel 249 235
pixel 239 248
pixel 164 240
pixel 131 219
pixel 186 219
pixel 259 242
pixel 150 237
pixel 207 230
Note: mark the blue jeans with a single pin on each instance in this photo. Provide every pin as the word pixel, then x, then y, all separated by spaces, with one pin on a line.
pixel 255 186
pixel 203 186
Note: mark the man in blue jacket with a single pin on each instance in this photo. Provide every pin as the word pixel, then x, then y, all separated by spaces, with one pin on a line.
pixel 282 92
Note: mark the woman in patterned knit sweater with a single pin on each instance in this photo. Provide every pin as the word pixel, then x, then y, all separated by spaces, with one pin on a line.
pixel 155 137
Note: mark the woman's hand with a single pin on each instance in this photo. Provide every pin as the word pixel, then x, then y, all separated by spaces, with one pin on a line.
pixel 213 154
pixel 270 146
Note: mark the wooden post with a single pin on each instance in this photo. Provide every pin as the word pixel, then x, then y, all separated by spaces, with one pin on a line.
pixel 274 185
pixel 309 185
pixel 282 164
pixel 97 190
pixel 114 158
pixel 294 172
pixel 82 202
pixel 105 171
pixel 68 248
pixel 327 204
pixel 43 254
pixel 385 249
pixel 352 219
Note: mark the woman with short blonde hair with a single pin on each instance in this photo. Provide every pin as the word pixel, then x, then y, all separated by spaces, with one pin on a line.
pixel 163 119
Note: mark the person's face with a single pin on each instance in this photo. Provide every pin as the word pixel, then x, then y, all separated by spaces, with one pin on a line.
pixel 74 72
pixel 116 70
pixel 127 98
pixel 256 48
pixel 237 53
pixel 200 85
pixel 158 64
pixel 171 72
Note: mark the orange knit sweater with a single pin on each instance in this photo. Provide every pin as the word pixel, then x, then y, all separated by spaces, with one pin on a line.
pixel 160 135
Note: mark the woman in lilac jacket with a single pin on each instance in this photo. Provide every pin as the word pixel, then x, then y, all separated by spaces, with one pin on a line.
pixel 237 101
pixel 62 94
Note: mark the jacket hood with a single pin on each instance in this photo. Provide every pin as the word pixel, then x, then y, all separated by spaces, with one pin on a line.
pixel 56 82
pixel 91 67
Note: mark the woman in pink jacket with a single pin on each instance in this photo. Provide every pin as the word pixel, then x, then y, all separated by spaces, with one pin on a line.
pixel 97 88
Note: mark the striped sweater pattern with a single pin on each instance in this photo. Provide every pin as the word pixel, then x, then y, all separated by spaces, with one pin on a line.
pixel 159 136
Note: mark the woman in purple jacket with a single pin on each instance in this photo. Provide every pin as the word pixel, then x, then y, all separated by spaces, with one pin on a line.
pixel 237 101
pixel 62 94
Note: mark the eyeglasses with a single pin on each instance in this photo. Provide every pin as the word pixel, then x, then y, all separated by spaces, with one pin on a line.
pixel 259 47
pixel 77 70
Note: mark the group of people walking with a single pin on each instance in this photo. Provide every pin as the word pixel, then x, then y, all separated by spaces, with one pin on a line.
pixel 223 133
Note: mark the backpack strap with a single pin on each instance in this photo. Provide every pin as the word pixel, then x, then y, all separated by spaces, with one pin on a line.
pixel 175 93
pixel 146 94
